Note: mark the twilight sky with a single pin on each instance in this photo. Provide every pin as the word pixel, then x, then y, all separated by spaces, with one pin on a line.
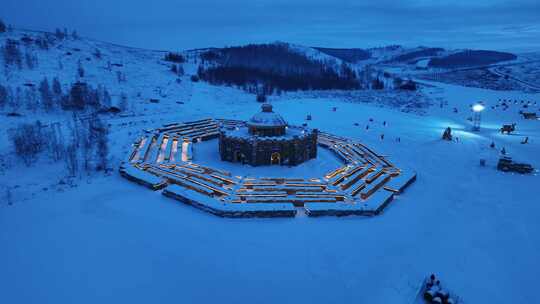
pixel 184 24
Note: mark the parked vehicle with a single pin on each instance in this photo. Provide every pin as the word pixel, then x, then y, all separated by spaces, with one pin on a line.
pixel 506 164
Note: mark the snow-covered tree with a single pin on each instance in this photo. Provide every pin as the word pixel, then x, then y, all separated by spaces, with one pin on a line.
pixel 46 95
pixel 97 54
pixel 56 87
pixel 12 53
pixel 121 77
pixel 9 197
pixel 3 96
pixel 71 160
pixel 99 138
pixel 123 102
pixel 3 27
pixel 42 43
pixel 28 141
pixel 80 69
pixel 59 34
pixel 56 142
pixel 16 101
pixel 104 97
pixel 31 60
pixel 31 100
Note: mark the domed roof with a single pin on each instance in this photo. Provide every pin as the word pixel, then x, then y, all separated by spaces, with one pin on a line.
pixel 267 118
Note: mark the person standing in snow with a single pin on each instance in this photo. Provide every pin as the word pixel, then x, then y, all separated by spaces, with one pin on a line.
pixel 447 134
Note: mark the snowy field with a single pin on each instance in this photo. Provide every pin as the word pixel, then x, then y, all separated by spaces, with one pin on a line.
pixel 107 240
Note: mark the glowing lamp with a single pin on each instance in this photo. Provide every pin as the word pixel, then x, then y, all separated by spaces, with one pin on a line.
pixel 478 107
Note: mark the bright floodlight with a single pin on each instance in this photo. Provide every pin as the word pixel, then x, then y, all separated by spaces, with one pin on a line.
pixel 478 107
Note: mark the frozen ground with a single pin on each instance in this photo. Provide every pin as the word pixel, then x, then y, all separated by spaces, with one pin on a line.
pixel 110 241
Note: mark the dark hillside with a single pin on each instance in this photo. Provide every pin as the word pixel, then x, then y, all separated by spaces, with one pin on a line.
pixel 471 58
pixel 418 54
pixel 274 67
pixel 349 55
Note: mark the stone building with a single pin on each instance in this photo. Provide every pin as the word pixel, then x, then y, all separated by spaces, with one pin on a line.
pixel 266 139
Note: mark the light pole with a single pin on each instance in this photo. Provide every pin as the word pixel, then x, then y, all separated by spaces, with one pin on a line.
pixel 477 109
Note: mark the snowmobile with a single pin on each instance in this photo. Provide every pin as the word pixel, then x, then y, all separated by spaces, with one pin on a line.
pixel 508 128
pixel 506 164
pixel 431 292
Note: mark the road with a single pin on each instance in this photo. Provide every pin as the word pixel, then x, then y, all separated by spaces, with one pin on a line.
pixel 495 71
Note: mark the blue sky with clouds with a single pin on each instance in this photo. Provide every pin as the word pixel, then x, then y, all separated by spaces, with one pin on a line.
pixel 182 24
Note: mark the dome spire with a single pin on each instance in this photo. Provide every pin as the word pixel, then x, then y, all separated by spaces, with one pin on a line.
pixel 266 107
pixel 267 123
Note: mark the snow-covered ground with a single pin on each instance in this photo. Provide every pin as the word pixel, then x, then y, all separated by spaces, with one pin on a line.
pixel 108 240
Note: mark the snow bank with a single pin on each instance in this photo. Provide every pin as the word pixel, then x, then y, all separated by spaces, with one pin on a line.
pixel 402 181
pixel 142 177
pixel 373 206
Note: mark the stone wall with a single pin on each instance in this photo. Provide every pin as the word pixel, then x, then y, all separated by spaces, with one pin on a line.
pixel 258 151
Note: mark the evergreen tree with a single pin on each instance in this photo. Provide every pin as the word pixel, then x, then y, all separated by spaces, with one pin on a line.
pixel 80 69
pixel 123 104
pixel 56 87
pixel 16 102
pixel 77 97
pixel 99 137
pixel 59 34
pixel 46 95
pixel 12 54
pixel 31 60
pixel 3 96
pixel 56 92
pixel 105 97
pixel 3 27
pixel 31 99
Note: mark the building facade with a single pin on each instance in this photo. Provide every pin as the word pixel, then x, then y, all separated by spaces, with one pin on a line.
pixel 266 139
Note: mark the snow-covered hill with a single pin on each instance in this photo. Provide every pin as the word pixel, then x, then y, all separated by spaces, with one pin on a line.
pixel 98 238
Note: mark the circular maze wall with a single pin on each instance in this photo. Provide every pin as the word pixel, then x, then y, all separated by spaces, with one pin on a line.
pixel 363 183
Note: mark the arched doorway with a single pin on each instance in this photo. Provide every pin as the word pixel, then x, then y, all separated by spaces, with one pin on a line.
pixel 275 158
pixel 238 157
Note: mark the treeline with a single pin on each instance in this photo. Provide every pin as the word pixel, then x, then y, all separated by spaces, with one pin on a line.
pixel 3 26
pixel 84 150
pixel 471 58
pixel 417 54
pixel 49 96
pixel 14 56
pixel 174 57
pixel 349 55
pixel 275 67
